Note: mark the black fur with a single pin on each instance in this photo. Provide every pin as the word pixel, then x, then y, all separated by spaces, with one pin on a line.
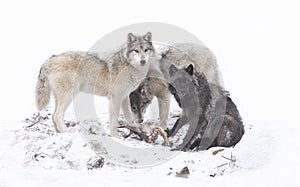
pixel 202 104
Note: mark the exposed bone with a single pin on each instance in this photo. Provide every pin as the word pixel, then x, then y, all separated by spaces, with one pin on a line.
pixel 149 133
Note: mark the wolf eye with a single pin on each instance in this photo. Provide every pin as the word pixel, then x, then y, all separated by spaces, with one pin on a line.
pixel 142 105
pixel 146 50
pixel 137 51
pixel 133 108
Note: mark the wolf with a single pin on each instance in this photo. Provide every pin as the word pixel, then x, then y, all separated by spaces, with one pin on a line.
pixel 67 74
pixel 195 96
pixel 183 54
pixel 141 98
pixel 156 83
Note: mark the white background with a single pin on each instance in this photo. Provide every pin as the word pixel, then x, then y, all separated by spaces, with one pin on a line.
pixel 256 44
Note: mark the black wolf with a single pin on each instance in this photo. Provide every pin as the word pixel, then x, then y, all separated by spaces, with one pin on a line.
pixel 211 114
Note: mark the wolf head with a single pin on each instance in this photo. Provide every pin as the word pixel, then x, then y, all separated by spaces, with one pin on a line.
pixel 139 49
pixel 181 82
pixel 140 99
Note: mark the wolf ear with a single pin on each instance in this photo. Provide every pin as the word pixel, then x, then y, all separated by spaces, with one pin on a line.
pixel 131 38
pixel 190 69
pixel 148 36
pixel 172 70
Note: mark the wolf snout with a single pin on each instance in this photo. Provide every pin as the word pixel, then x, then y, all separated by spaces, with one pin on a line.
pixel 143 62
pixel 140 120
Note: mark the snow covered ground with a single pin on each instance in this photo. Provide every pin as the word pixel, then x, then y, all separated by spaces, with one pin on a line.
pixel 257 47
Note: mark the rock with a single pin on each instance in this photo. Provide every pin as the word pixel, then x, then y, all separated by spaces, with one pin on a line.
pixel 184 173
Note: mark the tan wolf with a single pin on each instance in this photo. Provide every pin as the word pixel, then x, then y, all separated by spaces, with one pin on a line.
pixel 69 73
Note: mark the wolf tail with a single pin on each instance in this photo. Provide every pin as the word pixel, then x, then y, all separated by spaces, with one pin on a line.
pixel 42 90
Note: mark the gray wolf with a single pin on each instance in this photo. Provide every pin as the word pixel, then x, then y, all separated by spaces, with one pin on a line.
pixel 195 96
pixel 156 83
pixel 183 54
pixel 69 73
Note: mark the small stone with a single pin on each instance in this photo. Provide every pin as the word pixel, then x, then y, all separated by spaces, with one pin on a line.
pixel 184 173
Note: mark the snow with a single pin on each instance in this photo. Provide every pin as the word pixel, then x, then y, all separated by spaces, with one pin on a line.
pixel 257 47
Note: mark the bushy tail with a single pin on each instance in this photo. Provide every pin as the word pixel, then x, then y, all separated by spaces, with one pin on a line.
pixel 42 90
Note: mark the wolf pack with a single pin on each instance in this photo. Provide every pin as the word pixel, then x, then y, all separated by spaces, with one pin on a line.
pixel 133 75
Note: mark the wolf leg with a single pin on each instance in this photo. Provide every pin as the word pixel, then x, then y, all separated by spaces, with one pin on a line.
pixel 127 113
pixel 114 111
pixel 192 134
pixel 178 124
pixel 164 106
pixel 62 101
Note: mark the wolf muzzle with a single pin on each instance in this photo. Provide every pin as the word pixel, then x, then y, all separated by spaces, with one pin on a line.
pixel 143 62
